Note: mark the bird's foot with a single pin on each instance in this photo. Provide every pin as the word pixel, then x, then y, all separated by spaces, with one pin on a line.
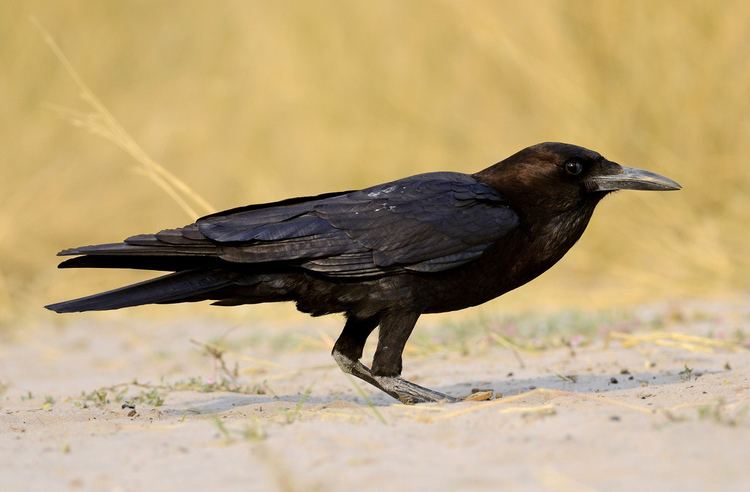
pixel 410 393
pixel 399 388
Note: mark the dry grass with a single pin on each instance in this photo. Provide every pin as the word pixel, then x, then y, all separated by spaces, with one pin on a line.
pixel 255 101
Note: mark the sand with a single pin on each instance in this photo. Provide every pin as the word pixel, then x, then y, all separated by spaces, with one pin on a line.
pixel 605 413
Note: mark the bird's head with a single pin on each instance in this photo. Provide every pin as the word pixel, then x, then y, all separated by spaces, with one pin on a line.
pixel 553 177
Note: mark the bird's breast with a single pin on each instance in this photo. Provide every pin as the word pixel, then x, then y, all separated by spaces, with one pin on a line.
pixel 516 259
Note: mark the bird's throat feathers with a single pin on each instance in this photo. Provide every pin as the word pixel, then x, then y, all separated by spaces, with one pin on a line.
pixel 558 234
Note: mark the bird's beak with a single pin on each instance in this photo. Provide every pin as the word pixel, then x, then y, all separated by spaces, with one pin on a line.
pixel 615 177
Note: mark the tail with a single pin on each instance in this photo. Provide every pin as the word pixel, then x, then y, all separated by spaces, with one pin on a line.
pixel 165 251
pixel 181 286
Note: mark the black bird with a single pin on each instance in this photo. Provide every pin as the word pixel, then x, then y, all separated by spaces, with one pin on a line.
pixel 429 243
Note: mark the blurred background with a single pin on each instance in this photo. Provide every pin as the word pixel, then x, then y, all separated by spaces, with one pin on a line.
pixel 257 101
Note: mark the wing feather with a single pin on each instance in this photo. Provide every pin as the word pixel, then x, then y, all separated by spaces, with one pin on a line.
pixel 425 223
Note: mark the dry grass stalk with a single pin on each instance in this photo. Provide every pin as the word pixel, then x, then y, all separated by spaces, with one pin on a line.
pixel 692 343
pixel 367 399
pixel 103 124
pixel 217 354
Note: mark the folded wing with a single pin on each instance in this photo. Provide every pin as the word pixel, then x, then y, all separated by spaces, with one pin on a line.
pixel 425 223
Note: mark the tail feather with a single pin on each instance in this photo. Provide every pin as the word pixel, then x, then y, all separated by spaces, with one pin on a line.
pixel 125 249
pixel 168 288
pixel 145 252
pixel 143 262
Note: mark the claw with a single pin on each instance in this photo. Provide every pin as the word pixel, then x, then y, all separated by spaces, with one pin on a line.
pixel 410 393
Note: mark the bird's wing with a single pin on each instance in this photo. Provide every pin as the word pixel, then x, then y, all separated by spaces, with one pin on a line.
pixel 426 223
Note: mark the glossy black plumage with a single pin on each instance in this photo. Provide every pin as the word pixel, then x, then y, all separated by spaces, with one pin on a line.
pixel 383 255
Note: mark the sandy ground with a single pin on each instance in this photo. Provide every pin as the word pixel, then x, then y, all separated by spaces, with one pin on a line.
pixel 658 411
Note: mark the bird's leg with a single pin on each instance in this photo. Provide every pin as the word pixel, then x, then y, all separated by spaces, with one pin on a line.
pixel 394 332
pixel 387 363
pixel 348 348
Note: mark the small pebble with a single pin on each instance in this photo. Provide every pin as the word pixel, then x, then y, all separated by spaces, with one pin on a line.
pixel 480 396
pixel 613 380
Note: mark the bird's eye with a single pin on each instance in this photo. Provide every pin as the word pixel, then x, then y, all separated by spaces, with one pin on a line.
pixel 573 168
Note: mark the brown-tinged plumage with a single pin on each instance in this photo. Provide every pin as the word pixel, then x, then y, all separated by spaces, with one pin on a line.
pixel 384 255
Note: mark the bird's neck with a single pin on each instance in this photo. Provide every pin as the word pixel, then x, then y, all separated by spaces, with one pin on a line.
pixel 553 235
pixel 541 244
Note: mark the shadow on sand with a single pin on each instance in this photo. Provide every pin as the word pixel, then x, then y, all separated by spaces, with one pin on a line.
pixel 507 387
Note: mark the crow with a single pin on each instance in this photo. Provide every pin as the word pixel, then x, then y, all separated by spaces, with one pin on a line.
pixel 382 256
